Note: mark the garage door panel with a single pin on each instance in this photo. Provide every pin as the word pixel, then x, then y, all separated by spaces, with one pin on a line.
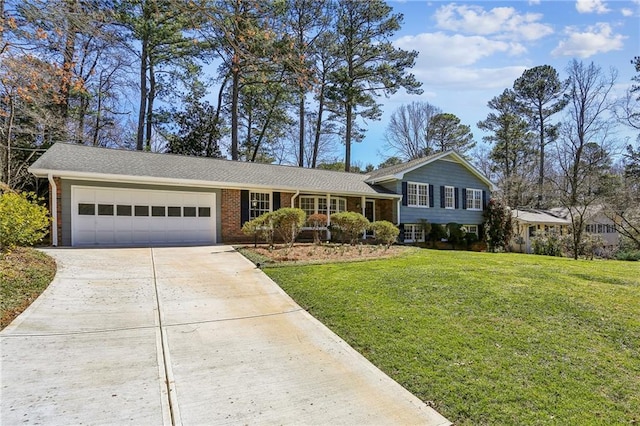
pixel 126 217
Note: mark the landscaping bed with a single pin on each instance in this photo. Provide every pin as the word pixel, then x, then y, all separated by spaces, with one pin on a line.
pixel 323 253
pixel 24 274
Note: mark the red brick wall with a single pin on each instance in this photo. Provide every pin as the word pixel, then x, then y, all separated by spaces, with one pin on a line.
pixel 384 210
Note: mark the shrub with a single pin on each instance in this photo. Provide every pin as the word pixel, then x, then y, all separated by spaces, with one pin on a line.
pixel 437 232
pixel 547 244
pixel 632 255
pixel 288 223
pixel 386 232
pixel 23 221
pixel 455 233
pixel 351 225
pixel 261 227
pixel 317 221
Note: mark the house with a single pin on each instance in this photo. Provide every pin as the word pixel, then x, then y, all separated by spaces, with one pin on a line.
pixel 529 222
pixel 596 223
pixel 116 197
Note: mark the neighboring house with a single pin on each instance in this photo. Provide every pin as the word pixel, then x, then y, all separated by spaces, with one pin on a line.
pixel 528 222
pixel 103 196
pixel 596 223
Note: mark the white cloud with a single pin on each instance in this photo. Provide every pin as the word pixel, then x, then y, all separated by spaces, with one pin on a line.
pixel 591 6
pixel 446 61
pixel 534 2
pixel 626 12
pixel 504 22
pixel 443 50
pixel 596 39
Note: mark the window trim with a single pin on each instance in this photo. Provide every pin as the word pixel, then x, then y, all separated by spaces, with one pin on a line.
pixel 416 231
pixel 417 194
pixel 251 208
pixel 453 197
pixel 471 197
pixel 316 203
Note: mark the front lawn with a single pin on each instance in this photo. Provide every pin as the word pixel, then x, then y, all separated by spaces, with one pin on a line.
pixel 24 274
pixel 490 338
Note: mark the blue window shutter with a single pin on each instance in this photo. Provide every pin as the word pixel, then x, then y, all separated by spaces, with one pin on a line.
pixel 431 204
pixel 244 206
pixel 456 195
pixel 401 234
pixel 404 193
pixel 484 200
pixel 275 204
pixel 442 197
pixel 464 198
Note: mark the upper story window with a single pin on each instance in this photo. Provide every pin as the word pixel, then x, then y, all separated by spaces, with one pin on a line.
pixel 417 194
pixel 474 199
pixel 449 197
pixel 259 204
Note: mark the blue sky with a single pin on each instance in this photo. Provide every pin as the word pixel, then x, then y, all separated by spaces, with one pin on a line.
pixel 470 51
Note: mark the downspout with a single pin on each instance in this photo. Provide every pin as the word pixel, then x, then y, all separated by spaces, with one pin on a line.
pixel 293 199
pixel 398 202
pixel 53 198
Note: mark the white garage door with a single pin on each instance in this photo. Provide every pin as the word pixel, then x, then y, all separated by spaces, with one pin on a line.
pixel 109 216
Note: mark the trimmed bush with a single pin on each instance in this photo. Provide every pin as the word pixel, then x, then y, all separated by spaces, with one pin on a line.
pixel 437 233
pixel 456 233
pixel 260 228
pixel 23 222
pixel 288 223
pixel 351 225
pixel 386 232
pixel 317 221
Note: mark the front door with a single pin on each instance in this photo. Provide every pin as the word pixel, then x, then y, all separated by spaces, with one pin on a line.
pixel 370 213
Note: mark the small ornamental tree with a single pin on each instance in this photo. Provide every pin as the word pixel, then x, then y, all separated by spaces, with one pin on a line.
pixel 351 224
pixel 288 223
pixel 23 222
pixel 498 226
pixel 260 227
pixel 386 232
pixel 316 222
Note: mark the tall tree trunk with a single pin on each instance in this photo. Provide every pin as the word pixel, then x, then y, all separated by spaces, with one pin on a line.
pixel 301 134
pixel 541 173
pixel 316 136
pixel 150 98
pixel 6 155
pixel 263 131
pixel 143 96
pixel 347 139
pixel 216 120
pixel 235 91
pixel 67 57
pixel 96 129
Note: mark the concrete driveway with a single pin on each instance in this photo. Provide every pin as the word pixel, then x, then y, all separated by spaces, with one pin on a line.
pixel 189 335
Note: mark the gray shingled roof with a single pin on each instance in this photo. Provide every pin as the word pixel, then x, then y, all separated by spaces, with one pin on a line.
pixel 78 160
pixel 399 168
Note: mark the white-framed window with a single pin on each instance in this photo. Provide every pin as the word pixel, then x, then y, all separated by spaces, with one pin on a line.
pixel 474 199
pixel 313 204
pixel 413 233
pixel 417 194
pixel 449 197
pixel 259 204
pixel 472 229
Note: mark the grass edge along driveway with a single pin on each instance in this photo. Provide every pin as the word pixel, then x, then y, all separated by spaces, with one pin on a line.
pixel 490 338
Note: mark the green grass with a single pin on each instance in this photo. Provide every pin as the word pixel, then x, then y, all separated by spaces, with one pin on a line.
pixel 501 339
pixel 24 274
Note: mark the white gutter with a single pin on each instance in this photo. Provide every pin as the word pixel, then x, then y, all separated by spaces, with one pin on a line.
pixel 53 198
pixel 399 202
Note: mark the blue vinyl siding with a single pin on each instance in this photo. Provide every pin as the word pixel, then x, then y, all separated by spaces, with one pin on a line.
pixel 442 173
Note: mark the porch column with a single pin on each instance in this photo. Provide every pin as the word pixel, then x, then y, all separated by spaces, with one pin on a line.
pixel 363 203
pixel 328 216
